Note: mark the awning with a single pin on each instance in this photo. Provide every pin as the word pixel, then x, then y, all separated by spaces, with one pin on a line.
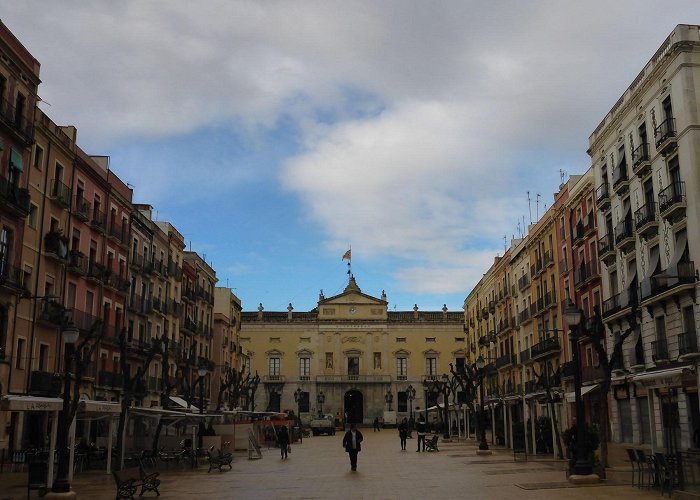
pixel 571 396
pixel 30 403
pixel 664 377
pixel 96 409
pixel 183 404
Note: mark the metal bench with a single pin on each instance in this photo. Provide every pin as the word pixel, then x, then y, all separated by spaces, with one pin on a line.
pixel 219 461
pixel 127 487
pixel 432 443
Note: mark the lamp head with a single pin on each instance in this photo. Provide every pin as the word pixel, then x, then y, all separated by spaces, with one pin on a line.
pixel 202 371
pixel 445 378
pixel 480 363
pixel 573 315
pixel 70 333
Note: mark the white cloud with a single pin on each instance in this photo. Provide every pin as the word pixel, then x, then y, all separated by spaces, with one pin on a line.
pixel 436 110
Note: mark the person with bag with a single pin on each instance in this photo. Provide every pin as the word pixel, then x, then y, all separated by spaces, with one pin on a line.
pixel 421 428
pixel 403 433
pixel 283 441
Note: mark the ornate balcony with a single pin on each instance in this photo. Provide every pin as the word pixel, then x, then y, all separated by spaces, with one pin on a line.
pixel 602 196
pixel 665 135
pixel 672 202
pixel 621 181
pixel 15 122
pixel 624 235
pixel 11 277
pixel 646 220
pixel 60 193
pixel 13 198
pixel 344 379
pixel 523 282
pixel 77 263
pixel 641 160
pixel 688 343
pixel 606 246
pixel 56 245
pixel 545 348
pixel 99 220
pixel 659 351
pixel 82 208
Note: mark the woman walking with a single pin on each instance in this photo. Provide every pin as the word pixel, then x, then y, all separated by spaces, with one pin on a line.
pixel 403 433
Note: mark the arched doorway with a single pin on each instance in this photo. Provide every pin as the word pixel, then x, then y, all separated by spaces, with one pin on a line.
pixel 353 406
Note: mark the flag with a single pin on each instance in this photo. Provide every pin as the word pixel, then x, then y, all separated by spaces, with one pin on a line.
pixel 347 255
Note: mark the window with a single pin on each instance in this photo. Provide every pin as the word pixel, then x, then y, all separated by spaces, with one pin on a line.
pixel 401 364
pixel 402 402
pixel 38 156
pixel 31 217
pixel 304 368
pixel 459 339
pixel 430 366
pixel 273 367
pixel 400 339
pixel 430 339
pixel 377 360
pixel 49 286
pixel 27 277
pixel 353 365
pixel 43 358
pixel 459 364
pixel 303 402
pixel 19 354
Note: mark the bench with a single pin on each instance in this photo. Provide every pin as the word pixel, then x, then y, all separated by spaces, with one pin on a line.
pixel 127 487
pixel 219 461
pixel 432 443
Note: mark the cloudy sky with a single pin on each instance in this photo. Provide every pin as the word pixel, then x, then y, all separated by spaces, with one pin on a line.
pixel 275 134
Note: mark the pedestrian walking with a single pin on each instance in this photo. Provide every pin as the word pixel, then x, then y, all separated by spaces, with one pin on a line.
pixel 421 430
pixel 376 424
pixel 351 443
pixel 283 441
pixel 403 433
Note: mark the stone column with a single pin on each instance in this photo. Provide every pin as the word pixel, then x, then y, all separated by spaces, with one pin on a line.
pixel 684 420
pixel 533 416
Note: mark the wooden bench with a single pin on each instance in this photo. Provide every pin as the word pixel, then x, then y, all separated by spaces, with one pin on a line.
pixel 432 443
pixel 219 461
pixel 127 487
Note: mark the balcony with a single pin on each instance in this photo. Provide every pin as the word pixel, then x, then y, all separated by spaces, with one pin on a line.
pixel 659 351
pixel 578 233
pixel 685 275
pixel 492 307
pixel 84 321
pixel 110 379
pixel 16 123
pixel 602 196
pixel 96 272
pixel 567 370
pixel 665 136
pixel 77 263
pixel 548 258
pixel 606 249
pixel 688 343
pixel 672 202
pixel 11 277
pixel 52 312
pixel 621 181
pixel 13 198
pixel 174 270
pixel 525 356
pixel 585 272
pixel 524 316
pixel 136 262
pixel 523 282
pixel 641 160
pixel 646 220
pixel 485 313
pixel 82 208
pixel 365 379
pixel 56 245
pixel 549 300
pixel 99 220
pixel 624 235
pixel 505 361
pixel 45 384
pixel 545 348
pixel 60 193
pixel 563 266
pixel 118 233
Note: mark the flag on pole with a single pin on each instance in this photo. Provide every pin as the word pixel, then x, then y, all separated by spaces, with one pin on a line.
pixel 347 255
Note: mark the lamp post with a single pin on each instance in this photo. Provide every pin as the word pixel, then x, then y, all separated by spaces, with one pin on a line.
pixel 388 398
pixel 320 399
pixel 297 400
pixel 444 385
pixel 582 466
pixel 202 373
pixel 62 485
pixel 410 395
pixel 483 445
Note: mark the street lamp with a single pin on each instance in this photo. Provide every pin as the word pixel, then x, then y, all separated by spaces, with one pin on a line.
pixel 297 400
pixel 480 364
pixel 62 485
pixel 388 397
pixel 582 466
pixel 410 395
pixel 202 373
pixel 320 399
pixel 445 383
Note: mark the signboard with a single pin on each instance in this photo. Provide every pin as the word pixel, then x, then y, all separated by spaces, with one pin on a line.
pixel 30 403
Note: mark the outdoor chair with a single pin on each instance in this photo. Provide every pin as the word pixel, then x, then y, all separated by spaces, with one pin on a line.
pixel 667 473
pixel 432 443
pixel 636 467
pixel 218 462
pixel 646 466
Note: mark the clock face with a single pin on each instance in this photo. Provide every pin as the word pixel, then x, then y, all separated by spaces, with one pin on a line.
pixel 353 310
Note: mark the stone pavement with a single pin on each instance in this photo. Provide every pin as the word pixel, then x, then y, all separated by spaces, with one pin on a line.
pixel 320 469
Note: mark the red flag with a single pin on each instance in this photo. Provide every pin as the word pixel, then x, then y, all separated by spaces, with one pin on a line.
pixel 347 255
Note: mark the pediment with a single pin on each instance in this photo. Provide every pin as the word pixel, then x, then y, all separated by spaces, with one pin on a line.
pixel 351 298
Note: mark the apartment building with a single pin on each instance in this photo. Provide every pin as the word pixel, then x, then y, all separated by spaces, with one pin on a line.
pixel 226 340
pixel 645 161
pixel 353 350
pixel 19 82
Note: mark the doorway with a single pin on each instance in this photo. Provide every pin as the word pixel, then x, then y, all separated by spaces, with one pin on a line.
pixel 353 406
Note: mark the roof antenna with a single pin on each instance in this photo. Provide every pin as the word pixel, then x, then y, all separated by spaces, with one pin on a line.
pixel 537 203
pixel 505 247
pixel 529 206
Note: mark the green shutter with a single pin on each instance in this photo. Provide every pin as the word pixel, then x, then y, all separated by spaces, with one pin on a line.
pixel 16 160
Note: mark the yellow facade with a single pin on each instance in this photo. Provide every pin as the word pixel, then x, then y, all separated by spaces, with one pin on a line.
pixel 354 351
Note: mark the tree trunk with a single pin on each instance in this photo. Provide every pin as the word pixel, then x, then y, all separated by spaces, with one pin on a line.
pixel 126 403
pixel 557 434
pixel 156 436
pixel 603 426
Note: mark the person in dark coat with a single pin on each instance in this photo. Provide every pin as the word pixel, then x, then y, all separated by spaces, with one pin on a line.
pixel 283 440
pixel 376 424
pixel 351 443
pixel 421 429
pixel 403 433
